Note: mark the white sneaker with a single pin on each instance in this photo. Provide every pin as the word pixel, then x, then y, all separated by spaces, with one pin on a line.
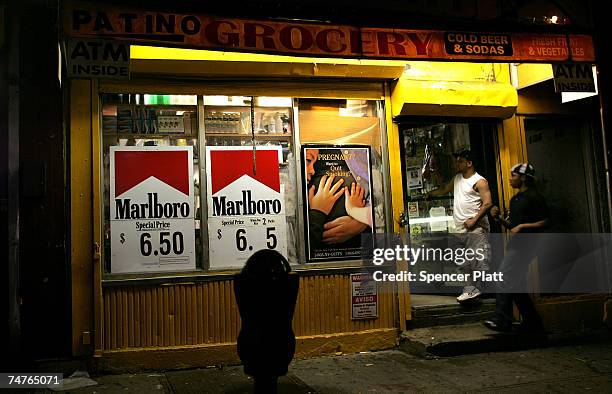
pixel 469 295
pixel 462 297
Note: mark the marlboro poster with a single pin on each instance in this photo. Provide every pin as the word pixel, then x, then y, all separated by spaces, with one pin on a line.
pixel 246 205
pixel 152 209
pixel 337 195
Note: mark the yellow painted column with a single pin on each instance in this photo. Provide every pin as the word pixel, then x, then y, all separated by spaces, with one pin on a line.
pixel 397 202
pixel 512 150
pixel 96 214
pixel 81 215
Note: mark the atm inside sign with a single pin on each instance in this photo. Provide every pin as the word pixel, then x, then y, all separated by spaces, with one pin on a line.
pixel 93 58
pixel 573 77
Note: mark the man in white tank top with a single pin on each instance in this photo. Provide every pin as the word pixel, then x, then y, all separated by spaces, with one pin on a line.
pixel 471 202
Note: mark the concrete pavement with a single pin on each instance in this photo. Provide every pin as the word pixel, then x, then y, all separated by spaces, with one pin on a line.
pixel 570 368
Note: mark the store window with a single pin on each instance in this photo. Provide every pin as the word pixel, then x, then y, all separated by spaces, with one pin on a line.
pixel 184 190
pixel 341 150
pixel 150 148
pixel 232 126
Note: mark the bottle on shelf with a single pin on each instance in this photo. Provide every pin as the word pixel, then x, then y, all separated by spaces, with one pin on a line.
pixel 235 120
pixel 278 122
pixel 151 121
pixel 124 120
pixel 268 125
pixel 286 124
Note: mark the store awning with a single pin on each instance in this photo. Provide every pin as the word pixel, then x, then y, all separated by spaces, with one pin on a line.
pixel 461 99
pixel 455 89
pixel 203 63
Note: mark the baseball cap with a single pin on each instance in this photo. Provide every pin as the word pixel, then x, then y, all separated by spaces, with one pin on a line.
pixel 465 153
pixel 523 169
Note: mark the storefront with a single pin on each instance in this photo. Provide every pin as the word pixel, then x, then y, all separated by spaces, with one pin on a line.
pixel 200 158
pixel 178 304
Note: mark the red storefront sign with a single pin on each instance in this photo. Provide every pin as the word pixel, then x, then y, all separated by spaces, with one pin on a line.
pixel 310 39
pixel 439 45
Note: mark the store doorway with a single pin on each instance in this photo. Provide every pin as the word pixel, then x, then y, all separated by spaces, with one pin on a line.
pixel 565 172
pixel 427 148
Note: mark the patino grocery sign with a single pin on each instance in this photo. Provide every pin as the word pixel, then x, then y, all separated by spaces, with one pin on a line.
pixel 85 20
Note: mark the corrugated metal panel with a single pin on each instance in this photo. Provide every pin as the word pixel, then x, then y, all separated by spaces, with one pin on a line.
pixel 206 312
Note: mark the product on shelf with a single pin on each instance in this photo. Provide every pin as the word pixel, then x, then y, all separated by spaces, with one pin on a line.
pixel 170 124
pixel 219 122
pixel 124 120
pixel 109 124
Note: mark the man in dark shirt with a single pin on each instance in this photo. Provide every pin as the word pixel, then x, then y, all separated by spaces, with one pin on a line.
pixel 528 214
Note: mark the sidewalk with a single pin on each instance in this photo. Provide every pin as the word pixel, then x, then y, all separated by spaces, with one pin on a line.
pixel 554 369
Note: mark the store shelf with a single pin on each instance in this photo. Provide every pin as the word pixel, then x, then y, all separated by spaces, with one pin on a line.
pixel 179 107
pixel 437 198
pixel 435 219
pixel 190 136
pixel 249 136
pixel 245 108
pixel 223 108
pixel 237 120
pixel 149 136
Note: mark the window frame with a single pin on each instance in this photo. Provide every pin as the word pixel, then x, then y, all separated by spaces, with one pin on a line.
pixel 202 271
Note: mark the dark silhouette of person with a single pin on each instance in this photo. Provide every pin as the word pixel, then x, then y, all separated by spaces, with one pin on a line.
pixel 528 216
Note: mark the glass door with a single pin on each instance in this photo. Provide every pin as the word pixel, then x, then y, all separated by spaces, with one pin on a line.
pixel 428 163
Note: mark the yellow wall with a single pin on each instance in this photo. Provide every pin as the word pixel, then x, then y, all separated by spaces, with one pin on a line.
pixel 81 229
pixel 532 73
pixel 206 312
pixel 512 150
pixel 397 202
pixel 457 71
